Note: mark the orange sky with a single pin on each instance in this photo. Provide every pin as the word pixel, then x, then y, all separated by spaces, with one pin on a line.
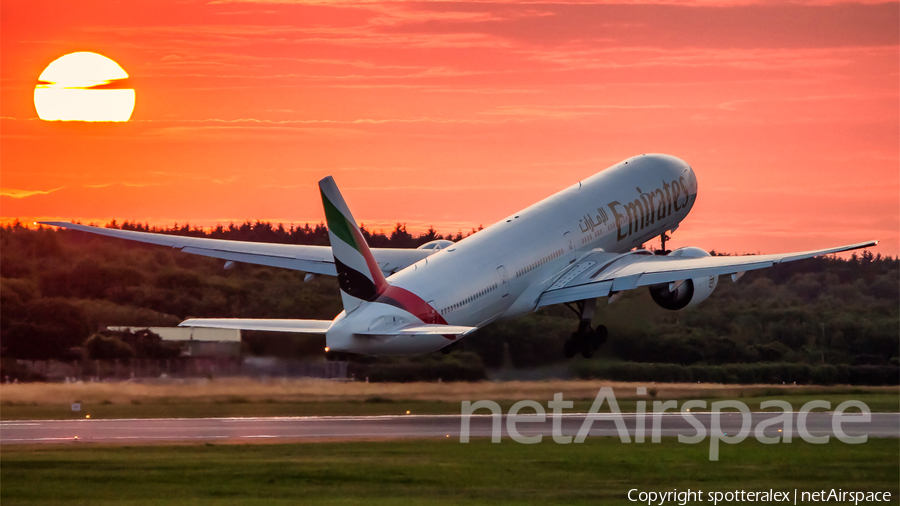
pixel 458 113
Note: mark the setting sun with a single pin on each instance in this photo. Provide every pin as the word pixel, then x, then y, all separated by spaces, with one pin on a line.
pixel 83 86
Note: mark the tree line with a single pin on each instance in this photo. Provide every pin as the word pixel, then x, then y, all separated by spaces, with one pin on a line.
pixel 317 235
pixel 59 287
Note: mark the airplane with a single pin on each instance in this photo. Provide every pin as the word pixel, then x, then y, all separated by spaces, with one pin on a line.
pixel 571 248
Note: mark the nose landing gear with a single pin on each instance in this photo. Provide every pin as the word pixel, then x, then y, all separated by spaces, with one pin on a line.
pixel 585 340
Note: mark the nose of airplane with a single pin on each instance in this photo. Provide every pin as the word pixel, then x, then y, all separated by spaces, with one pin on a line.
pixel 692 179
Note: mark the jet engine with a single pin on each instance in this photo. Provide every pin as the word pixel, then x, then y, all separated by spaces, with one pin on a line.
pixel 688 292
pixel 436 245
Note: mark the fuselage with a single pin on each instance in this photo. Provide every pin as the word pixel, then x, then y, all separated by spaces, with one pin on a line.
pixel 501 271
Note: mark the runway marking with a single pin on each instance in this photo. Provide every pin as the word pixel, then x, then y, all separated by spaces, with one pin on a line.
pixel 248 429
pixel 45 439
pixel 386 417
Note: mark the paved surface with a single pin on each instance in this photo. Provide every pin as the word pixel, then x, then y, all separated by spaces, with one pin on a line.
pixel 408 426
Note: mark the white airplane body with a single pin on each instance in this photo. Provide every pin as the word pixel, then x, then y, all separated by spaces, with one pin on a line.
pixel 573 247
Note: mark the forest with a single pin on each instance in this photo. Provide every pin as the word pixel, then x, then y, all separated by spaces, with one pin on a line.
pixel 820 320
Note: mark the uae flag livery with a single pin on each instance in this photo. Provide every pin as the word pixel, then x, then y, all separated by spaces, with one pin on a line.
pixel 359 276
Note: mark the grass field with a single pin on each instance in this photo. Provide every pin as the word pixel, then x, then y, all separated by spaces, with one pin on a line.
pixel 247 397
pixel 601 470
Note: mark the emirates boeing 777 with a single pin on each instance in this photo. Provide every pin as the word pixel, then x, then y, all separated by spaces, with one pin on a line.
pixel 572 248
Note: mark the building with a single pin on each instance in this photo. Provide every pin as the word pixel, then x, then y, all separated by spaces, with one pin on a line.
pixel 197 342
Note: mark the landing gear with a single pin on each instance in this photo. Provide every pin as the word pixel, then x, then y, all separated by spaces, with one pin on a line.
pixel 585 340
pixel 662 249
pixel 449 348
pixel 570 348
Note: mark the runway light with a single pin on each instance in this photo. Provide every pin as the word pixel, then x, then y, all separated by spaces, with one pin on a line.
pixel 407 411
pixel 76 437
pixel 87 416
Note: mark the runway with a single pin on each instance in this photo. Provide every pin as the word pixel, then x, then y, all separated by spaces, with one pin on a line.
pixel 333 428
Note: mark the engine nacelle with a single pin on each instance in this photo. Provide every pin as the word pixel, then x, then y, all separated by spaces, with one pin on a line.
pixel 690 291
pixel 436 245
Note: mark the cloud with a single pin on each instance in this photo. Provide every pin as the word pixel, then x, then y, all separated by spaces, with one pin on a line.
pixel 122 183
pixel 566 111
pixel 213 128
pixel 21 194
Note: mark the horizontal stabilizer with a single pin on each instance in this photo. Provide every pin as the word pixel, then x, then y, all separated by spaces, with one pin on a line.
pixel 302 326
pixel 421 329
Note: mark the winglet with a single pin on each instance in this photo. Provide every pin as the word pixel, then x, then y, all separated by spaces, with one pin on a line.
pixel 359 276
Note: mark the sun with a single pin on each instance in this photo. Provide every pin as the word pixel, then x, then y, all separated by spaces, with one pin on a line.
pixel 83 86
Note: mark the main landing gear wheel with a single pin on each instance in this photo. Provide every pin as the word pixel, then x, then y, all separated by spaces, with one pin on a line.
pixel 584 343
pixel 587 349
pixel 450 347
pixel 569 348
pixel 599 336
pixel 585 340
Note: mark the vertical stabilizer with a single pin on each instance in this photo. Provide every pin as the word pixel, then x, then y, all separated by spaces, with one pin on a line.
pixel 359 277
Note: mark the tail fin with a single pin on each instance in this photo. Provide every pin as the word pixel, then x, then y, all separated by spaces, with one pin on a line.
pixel 359 276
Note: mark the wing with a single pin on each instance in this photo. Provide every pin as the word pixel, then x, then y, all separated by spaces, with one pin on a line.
pixel 599 274
pixel 301 326
pixel 314 259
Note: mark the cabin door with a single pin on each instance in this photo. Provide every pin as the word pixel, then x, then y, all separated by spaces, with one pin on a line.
pixel 504 283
